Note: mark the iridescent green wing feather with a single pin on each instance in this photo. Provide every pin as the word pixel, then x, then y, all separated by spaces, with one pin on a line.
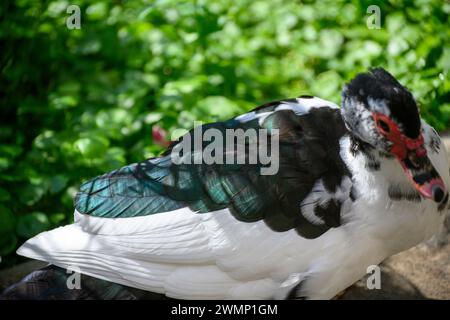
pixel 308 151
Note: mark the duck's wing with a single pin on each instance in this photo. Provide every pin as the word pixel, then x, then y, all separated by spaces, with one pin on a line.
pixel 202 230
pixel 304 158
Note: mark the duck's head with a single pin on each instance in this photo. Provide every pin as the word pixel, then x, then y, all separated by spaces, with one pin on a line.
pixel 378 110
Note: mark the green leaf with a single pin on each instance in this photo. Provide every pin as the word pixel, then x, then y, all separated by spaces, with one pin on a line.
pixel 94 147
pixel 114 159
pixel 32 224
pixel 7 220
pixel 30 194
pixel 97 11
pixel 153 117
pixel 63 102
pixel 8 243
pixel 58 183
pixel 57 218
pixel 4 163
pixel 11 151
pixel 4 195
pixel 218 106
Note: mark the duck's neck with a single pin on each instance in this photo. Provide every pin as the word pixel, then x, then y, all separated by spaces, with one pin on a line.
pixel 384 191
pixel 376 173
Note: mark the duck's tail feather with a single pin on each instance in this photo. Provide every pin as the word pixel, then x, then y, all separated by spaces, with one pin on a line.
pixel 55 283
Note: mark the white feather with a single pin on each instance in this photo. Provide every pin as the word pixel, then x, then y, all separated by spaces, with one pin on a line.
pixel 303 105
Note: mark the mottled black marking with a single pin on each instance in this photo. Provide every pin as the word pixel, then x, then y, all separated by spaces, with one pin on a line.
pixel 386 155
pixel 435 142
pixel 358 146
pixel 270 106
pixel 329 212
pixel 354 193
pixel 378 84
pixel 295 292
pixel 421 178
pixel 266 107
pixel 304 96
pixel 372 164
pixel 444 202
pixel 398 193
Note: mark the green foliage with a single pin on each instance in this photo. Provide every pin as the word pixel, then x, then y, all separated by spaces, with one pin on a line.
pixel 78 103
pixel 31 224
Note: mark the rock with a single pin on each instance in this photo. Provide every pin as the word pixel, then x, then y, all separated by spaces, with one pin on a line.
pixel 394 286
pixel 422 272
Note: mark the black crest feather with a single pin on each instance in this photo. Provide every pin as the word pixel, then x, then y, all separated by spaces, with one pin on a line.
pixel 380 84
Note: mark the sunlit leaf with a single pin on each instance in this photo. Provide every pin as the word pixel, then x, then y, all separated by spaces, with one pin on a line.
pixel 92 147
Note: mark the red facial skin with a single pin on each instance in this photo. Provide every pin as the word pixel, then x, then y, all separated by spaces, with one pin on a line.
pixel 403 148
pixel 401 144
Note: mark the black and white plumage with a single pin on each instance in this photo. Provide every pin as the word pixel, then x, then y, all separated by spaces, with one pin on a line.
pixel 355 185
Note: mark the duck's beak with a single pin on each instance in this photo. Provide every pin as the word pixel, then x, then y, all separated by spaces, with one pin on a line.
pixel 423 175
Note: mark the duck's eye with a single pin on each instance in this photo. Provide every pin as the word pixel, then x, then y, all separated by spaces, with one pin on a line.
pixel 383 126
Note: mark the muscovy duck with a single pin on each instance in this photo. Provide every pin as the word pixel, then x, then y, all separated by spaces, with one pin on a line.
pixel 354 186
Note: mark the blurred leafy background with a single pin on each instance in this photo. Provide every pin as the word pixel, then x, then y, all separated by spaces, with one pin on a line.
pixel 78 103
